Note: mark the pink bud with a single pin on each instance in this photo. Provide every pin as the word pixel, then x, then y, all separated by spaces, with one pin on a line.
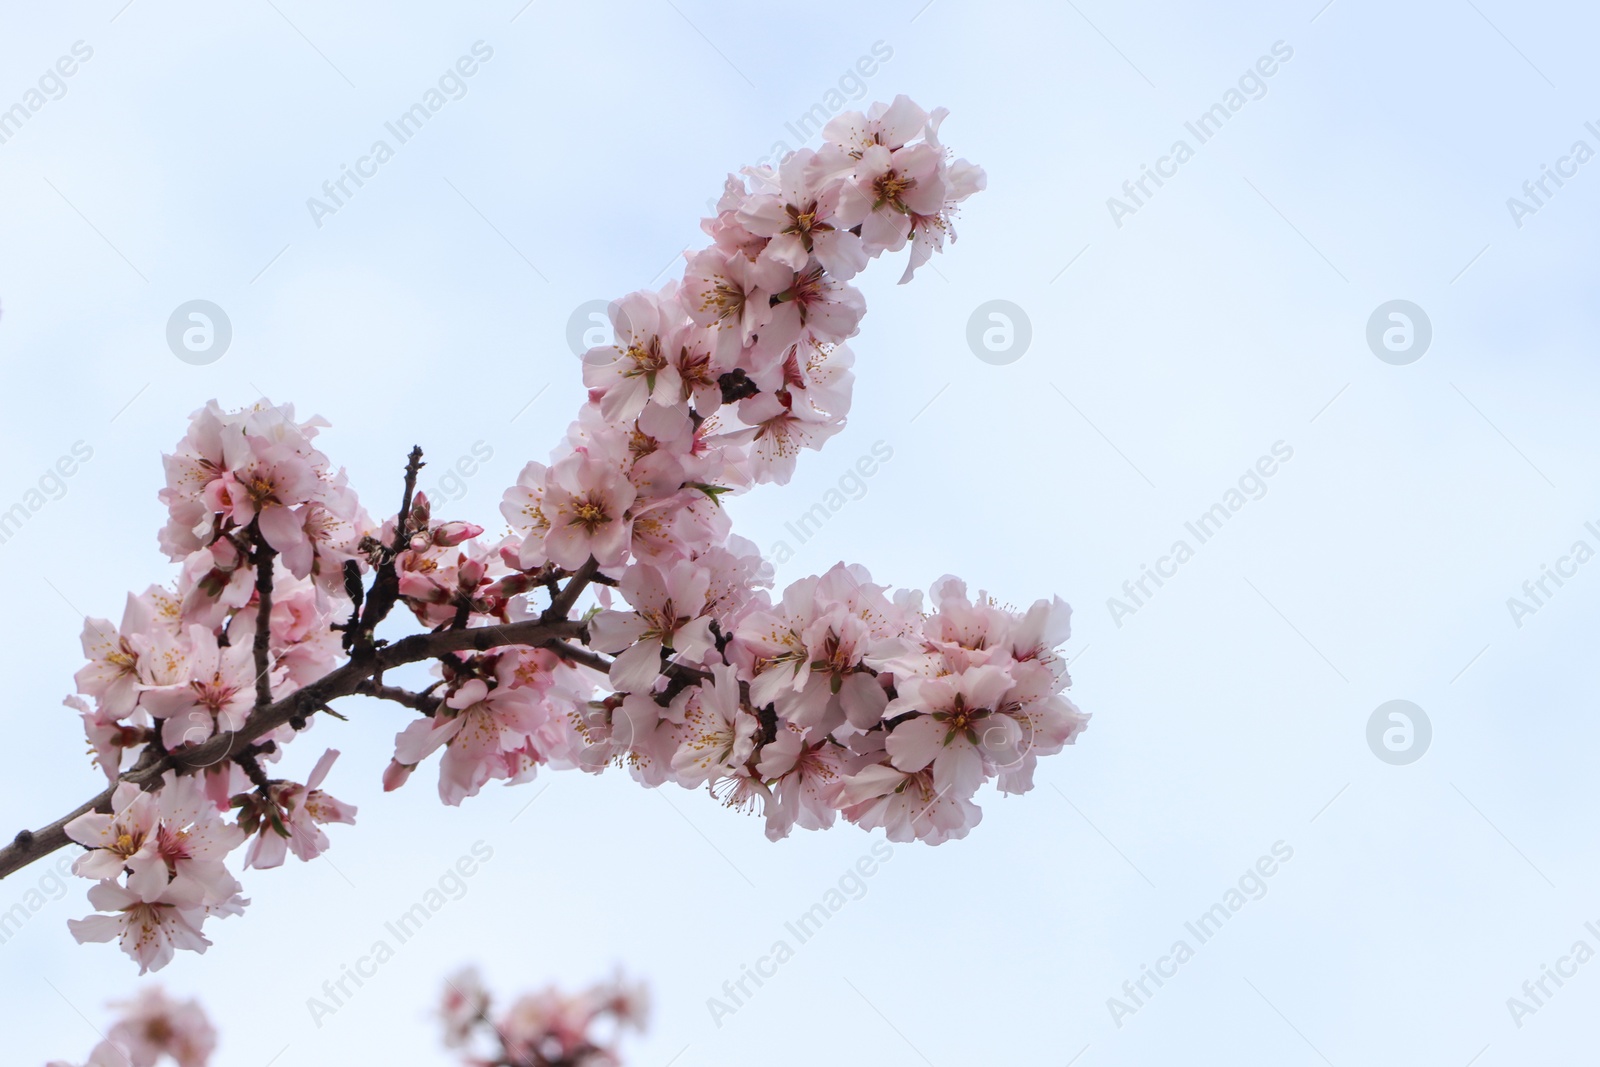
pixel 395 775
pixel 470 573
pixel 450 534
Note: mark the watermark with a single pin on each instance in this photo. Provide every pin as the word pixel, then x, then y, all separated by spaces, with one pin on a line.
pixel 451 885
pixel 199 332
pixel 51 886
pixel 452 85
pixel 1399 332
pixel 851 885
pixel 452 484
pixel 1252 485
pixel 589 326
pixel 1565 569
pixel 1251 885
pixel 52 485
pixel 1252 85
pixel 52 85
pixel 1566 168
pixel 1399 732
pixel 1536 992
pixel 851 485
pixel 999 332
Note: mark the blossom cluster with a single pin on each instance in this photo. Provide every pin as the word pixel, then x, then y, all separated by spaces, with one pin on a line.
pixel 150 1027
pixel 247 495
pixel 547 1028
pixel 840 700
pixel 834 698
pixel 837 698
pixel 242 487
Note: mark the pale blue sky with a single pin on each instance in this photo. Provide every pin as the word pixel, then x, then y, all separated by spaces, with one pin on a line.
pixel 1168 354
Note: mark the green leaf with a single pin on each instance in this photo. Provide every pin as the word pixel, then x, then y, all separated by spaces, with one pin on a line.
pixel 712 491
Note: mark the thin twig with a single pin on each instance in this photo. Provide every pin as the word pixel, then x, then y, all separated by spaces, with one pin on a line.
pixel 416 701
pixel 386 583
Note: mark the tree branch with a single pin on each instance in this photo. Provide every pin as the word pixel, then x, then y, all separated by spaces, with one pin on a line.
pixel 416 701
pixel 302 703
pixel 263 649
pixel 580 655
pixel 386 584
pixel 561 603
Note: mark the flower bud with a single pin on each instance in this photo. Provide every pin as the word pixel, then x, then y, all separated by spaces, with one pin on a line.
pixel 450 534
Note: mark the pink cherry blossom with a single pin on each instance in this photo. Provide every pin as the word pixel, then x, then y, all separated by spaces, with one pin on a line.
pixel 545 1028
pixel 669 615
pixel 523 507
pixel 213 581
pixel 892 125
pixel 1046 719
pixel 719 733
pixel 110 739
pixel 172 837
pixel 800 220
pixel 114 840
pixel 439 580
pixel 640 365
pixel 696 360
pixel 587 503
pixel 813 307
pixel 153 1024
pixel 149 931
pixel 150 1028
pixel 810 652
pixel 956 727
pixel 112 674
pixel 730 291
pixel 778 434
pixel 258 468
pixel 906 806
pixel 463 1006
pixel 806 780
pixel 290 818
pixel 962 180
pixel 487 733
pixel 217 695
pixel 645 736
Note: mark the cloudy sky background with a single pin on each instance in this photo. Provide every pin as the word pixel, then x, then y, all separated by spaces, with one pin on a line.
pixel 1168 354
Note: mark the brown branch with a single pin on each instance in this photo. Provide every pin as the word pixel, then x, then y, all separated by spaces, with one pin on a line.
pixel 361 674
pixel 416 701
pixel 346 680
pixel 681 674
pixel 580 655
pixel 561 603
pixel 386 583
pixel 252 767
pixel 264 554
